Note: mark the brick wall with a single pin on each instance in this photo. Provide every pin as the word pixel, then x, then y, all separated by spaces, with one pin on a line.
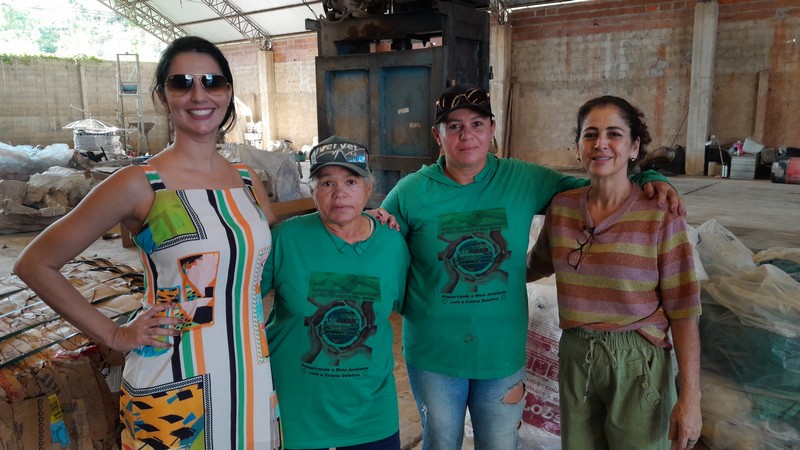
pixel 641 50
pixel 294 101
pixel 296 88
pixel 243 59
pixel 295 48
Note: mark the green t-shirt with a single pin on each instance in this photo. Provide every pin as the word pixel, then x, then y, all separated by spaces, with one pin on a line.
pixel 329 334
pixel 466 308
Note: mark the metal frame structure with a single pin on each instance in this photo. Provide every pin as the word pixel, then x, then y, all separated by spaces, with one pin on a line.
pixel 150 19
pixel 147 18
pixel 129 87
pixel 239 20
pixel 254 25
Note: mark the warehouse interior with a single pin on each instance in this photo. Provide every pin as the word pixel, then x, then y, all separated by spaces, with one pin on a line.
pixel 716 79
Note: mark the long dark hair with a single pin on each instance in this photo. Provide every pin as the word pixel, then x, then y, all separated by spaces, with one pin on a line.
pixel 189 44
pixel 632 116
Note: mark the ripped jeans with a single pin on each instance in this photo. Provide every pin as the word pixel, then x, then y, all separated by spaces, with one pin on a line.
pixel 616 391
pixel 495 408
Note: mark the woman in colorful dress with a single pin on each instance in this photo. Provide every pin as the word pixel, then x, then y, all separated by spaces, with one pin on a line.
pixel 197 372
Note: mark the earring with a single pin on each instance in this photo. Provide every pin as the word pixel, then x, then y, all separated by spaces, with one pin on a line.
pixel 578 159
pixel 633 159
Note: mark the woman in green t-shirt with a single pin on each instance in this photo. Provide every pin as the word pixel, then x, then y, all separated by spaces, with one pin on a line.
pixel 338 274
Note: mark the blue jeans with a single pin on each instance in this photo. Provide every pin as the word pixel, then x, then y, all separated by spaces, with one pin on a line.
pixel 443 400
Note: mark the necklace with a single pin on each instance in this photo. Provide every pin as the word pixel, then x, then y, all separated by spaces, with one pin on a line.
pixel 370 230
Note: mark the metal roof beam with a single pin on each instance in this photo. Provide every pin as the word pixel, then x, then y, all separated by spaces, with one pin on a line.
pixel 236 17
pixel 147 18
pixel 257 11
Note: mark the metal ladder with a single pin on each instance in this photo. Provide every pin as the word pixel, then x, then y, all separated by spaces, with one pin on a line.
pixel 129 90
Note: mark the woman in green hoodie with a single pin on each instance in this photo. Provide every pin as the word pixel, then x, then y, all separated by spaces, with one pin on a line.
pixel 466 220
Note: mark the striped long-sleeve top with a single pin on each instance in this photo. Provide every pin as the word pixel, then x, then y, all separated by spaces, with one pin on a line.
pixel 634 272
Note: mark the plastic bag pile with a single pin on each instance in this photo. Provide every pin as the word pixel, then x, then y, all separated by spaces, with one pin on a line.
pixel 750 337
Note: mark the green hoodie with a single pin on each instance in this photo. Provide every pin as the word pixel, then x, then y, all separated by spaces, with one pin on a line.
pixel 466 308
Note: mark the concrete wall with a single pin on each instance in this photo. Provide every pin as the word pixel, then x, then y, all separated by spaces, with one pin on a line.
pixel 36 94
pixel 641 50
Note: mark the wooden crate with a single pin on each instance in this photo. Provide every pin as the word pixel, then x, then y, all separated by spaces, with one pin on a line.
pixel 290 208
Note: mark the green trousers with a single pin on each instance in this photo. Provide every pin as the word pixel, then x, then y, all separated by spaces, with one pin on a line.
pixel 616 391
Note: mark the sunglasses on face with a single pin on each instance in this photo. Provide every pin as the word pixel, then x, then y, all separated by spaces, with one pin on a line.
pixel 475 96
pixel 180 84
pixel 338 152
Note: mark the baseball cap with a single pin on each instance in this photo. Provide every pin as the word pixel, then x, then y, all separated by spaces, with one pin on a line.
pixel 463 96
pixel 338 151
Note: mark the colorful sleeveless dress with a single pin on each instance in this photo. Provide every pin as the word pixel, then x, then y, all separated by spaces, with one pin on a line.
pixel 205 251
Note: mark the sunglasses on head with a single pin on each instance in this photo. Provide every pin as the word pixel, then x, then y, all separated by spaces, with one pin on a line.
pixel 474 96
pixel 180 84
pixel 341 152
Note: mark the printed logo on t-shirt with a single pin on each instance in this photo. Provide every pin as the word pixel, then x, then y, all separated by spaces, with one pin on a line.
pixel 475 251
pixel 342 323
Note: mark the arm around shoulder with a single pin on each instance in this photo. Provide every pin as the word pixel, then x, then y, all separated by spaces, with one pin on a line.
pixel 656 185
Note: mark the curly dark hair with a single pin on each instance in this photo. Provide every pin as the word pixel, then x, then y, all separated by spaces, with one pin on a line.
pixel 632 116
pixel 194 44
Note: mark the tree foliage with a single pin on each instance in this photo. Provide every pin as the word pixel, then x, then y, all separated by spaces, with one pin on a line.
pixel 67 28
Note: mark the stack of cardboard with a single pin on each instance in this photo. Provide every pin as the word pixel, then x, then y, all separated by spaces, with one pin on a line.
pixel 57 388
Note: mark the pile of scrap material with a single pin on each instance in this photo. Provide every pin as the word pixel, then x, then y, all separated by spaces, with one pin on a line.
pixel 57 388
pixel 46 197
pixel 750 337
pixel 38 186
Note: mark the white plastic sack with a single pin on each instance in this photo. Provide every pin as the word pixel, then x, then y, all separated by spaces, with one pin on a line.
pixel 21 161
pixel 278 170
pixel 536 227
pixel 73 184
pixel 765 297
pixel 722 253
pixel 694 238
pixel 729 422
pixel 541 423
pixel 792 254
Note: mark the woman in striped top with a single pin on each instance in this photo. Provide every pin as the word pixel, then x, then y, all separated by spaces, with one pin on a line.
pixel 625 276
